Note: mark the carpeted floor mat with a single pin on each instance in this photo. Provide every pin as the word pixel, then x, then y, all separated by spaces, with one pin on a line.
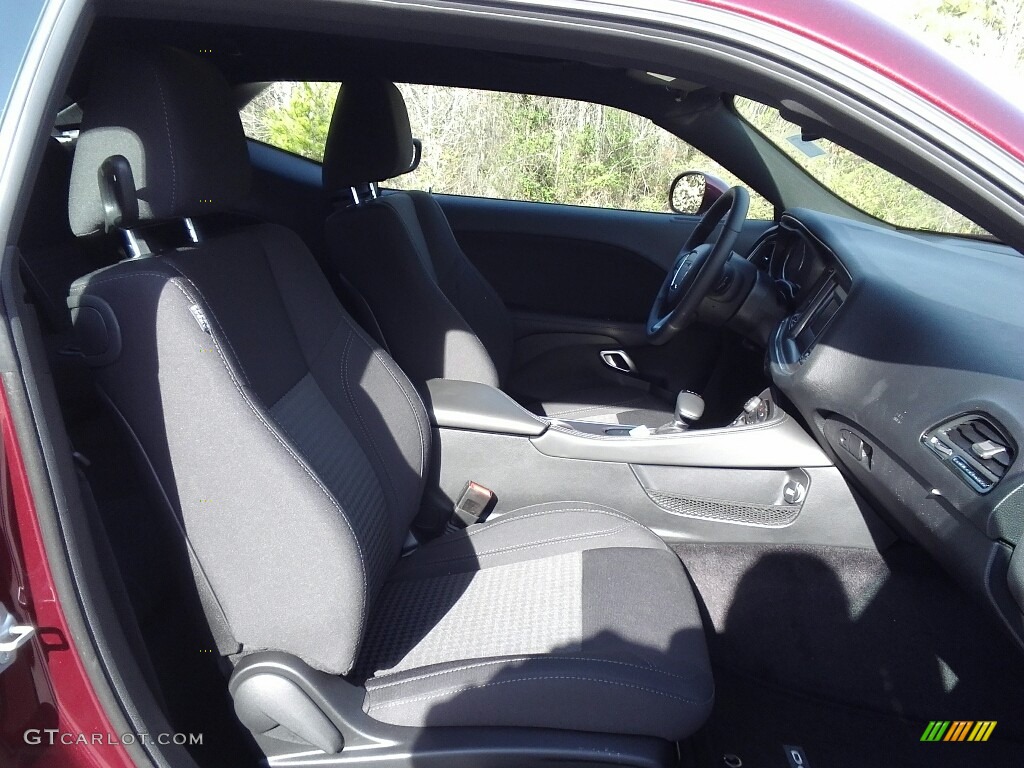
pixel 849 654
pixel 756 722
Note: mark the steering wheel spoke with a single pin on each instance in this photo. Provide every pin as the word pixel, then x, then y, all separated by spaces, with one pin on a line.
pixel 697 267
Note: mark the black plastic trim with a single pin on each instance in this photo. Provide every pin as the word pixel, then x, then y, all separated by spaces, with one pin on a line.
pixel 364 740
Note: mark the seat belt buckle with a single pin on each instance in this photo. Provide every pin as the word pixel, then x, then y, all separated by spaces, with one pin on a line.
pixel 474 503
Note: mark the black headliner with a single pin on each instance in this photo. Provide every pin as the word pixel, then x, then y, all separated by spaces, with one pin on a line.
pixel 254 55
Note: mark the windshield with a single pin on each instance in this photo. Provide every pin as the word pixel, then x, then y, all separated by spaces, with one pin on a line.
pixel 857 181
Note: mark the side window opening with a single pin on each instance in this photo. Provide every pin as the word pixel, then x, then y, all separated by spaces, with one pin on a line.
pixel 506 145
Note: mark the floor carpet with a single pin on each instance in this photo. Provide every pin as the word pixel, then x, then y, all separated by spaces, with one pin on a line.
pixel 849 654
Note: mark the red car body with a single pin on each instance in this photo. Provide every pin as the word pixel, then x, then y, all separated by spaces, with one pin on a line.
pixel 47 687
pixel 850 30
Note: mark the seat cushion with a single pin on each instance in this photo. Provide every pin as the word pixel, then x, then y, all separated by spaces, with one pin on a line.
pixel 608 405
pixel 565 615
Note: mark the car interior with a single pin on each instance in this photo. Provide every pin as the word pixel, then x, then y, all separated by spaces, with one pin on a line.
pixel 379 476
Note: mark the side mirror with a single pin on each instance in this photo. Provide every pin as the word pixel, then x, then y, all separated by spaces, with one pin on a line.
pixel 694 192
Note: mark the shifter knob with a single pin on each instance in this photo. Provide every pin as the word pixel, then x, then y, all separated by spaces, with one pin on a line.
pixel 689 407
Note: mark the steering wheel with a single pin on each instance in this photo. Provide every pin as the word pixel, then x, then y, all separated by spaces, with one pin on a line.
pixel 697 267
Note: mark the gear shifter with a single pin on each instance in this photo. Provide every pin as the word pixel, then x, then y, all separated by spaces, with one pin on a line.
pixel 689 409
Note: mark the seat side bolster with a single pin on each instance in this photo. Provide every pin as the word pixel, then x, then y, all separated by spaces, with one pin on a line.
pixel 359 380
pixel 464 285
pixel 585 693
pixel 252 507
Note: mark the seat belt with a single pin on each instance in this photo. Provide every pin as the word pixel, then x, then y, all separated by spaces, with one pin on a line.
pixel 472 506
pixel 220 629
pixel 438 514
pixel 115 585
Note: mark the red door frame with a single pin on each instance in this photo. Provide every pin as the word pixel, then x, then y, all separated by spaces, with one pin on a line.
pixel 47 687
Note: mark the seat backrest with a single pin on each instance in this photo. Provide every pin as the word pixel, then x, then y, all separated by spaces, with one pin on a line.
pixel 440 316
pixel 291 447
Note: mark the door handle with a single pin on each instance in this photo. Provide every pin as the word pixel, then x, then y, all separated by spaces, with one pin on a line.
pixel 618 360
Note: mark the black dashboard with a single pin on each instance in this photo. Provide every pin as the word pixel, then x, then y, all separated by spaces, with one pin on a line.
pixel 809 279
pixel 904 354
pixel 793 261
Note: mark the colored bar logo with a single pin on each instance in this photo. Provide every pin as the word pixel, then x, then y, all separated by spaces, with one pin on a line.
pixel 958 730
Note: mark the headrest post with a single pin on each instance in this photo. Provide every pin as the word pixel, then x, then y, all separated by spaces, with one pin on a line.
pixel 135 157
pixel 355 196
pixel 374 190
pixel 131 244
pixel 190 225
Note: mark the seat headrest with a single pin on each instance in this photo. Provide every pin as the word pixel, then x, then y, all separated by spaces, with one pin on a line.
pixel 369 139
pixel 172 116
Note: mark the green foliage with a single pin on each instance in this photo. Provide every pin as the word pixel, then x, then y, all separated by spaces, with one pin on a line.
pixel 994 27
pixel 530 143
pixel 522 147
pixel 300 124
pixel 510 146
pixel 858 182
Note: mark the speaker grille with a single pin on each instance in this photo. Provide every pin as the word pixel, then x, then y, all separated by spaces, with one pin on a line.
pixel 764 515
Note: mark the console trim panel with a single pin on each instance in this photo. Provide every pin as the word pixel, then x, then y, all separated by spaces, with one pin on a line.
pixel 779 443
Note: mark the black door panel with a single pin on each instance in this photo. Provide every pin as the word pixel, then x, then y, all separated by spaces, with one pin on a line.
pixel 624 333
pixel 564 276
pixel 581 280
pixel 594 263
pixel 655 236
pixel 566 348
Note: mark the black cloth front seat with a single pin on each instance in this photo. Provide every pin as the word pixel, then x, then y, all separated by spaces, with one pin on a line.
pixel 293 451
pixel 439 315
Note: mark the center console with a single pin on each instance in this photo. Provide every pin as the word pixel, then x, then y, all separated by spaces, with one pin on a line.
pixel 761 478
pixel 765 437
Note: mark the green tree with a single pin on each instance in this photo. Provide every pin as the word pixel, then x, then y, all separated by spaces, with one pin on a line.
pixel 300 124
pixel 985 27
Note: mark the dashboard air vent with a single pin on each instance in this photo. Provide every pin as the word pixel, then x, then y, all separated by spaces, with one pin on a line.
pixel 974 448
